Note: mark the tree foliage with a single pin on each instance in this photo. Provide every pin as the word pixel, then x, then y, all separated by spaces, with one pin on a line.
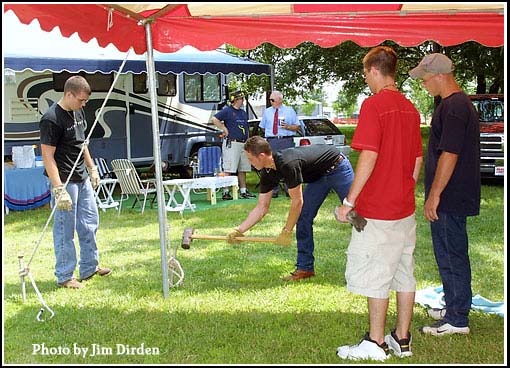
pixel 301 71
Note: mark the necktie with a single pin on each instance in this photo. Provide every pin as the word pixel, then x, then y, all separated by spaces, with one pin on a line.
pixel 275 123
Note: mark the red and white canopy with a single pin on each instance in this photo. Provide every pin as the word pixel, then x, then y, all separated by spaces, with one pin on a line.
pixel 206 26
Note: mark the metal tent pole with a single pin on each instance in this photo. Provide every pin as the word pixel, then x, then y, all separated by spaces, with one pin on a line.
pixel 157 157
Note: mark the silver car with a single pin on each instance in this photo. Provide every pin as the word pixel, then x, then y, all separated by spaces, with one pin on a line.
pixel 314 130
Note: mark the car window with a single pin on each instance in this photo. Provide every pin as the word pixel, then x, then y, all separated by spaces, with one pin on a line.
pixel 320 127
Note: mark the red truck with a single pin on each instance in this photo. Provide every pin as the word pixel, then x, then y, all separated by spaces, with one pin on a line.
pixel 490 108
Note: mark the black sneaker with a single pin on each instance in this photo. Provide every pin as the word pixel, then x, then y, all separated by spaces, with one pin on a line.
pixel 247 195
pixel 402 347
pixel 227 197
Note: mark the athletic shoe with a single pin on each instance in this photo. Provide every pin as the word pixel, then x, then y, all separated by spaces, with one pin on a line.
pixel 226 196
pixel 442 327
pixel 246 195
pixel 402 347
pixel 437 313
pixel 365 349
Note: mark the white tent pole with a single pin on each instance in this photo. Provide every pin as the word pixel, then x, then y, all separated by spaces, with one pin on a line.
pixel 157 156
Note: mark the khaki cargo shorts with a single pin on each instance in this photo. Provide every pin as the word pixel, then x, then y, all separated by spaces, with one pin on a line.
pixel 234 158
pixel 380 258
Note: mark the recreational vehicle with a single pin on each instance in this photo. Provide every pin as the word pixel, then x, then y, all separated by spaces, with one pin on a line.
pixel 191 88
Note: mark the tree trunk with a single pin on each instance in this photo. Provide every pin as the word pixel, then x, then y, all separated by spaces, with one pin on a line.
pixel 481 84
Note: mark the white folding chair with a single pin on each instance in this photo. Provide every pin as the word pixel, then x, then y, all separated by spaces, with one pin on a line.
pixel 107 183
pixel 130 183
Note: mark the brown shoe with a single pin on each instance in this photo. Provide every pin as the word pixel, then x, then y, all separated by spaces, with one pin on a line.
pixel 72 284
pixel 100 271
pixel 298 275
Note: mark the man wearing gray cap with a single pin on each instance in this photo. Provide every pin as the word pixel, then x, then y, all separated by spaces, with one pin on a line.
pixel 452 189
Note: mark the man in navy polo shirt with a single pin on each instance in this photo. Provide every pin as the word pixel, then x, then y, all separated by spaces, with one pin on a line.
pixel 232 120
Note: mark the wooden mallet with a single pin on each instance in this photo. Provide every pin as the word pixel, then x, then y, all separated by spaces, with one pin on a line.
pixel 188 236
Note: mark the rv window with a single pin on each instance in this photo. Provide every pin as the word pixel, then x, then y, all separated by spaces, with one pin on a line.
pixel 211 88
pixel 166 84
pixel 201 88
pixel 140 83
pixel 98 82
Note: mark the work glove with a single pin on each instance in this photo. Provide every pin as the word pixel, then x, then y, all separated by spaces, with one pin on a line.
pixel 356 220
pixel 62 198
pixel 231 237
pixel 94 176
pixel 284 238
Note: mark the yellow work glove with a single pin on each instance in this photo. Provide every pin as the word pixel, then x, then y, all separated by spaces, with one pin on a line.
pixel 62 198
pixel 94 176
pixel 231 237
pixel 284 238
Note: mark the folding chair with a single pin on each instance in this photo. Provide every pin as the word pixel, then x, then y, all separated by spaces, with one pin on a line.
pixel 209 160
pixel 130 183
pixel 107 183
pixel 103 169
pixel 209 163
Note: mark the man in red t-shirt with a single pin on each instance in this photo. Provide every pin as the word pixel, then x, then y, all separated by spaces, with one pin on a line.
pixel 380 258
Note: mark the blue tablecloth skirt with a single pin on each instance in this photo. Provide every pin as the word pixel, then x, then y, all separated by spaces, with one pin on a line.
pixel 25 189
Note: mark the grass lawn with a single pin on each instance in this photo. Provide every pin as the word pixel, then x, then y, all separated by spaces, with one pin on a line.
pixel 233 307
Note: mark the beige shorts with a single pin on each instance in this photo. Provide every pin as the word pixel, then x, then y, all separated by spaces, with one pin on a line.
pixel 234 158
pixel 380 258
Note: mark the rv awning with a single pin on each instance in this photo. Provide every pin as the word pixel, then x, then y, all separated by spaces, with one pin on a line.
pixel 37 50
pixel 182 62
pixel 206 26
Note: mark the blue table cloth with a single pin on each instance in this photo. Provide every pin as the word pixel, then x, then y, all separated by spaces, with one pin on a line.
pixel 25 189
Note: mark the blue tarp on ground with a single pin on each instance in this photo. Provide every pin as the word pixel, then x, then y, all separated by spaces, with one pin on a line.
pixel 433 297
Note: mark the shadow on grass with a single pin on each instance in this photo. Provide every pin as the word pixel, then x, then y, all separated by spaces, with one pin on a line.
pixel 236 337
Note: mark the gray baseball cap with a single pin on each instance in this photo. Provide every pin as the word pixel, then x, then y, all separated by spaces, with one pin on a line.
pixel 432 64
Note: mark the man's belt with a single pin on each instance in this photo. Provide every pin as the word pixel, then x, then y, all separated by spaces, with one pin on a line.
pixel 236 140
pixel 280 137
pixel 337 161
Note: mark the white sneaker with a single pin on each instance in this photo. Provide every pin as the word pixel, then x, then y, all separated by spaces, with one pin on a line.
pixel 400 347
pixel 365 349
pixel 437 313
pixel 442 327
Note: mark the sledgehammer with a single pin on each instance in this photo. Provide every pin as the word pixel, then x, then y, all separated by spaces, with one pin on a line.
pixel 187 238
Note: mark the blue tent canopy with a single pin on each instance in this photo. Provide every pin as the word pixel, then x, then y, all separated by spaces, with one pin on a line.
pixel 180 62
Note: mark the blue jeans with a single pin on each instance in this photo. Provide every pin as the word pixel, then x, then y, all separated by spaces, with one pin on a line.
pixel 450 241
pixel 84 219
pixel 340 180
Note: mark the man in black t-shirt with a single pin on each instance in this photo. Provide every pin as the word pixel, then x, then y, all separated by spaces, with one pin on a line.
pixel 452 189
pixel 62 142
pixel 322 167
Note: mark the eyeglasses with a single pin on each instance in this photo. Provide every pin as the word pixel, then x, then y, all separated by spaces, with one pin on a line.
pixel 82 100
pixel 272 99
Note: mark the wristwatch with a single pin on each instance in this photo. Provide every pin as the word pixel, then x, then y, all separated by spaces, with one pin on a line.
pixel 345 202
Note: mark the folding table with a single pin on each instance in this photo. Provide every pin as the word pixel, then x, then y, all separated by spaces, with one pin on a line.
pixel 212 183
pixel 25 189
pixel 182 186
